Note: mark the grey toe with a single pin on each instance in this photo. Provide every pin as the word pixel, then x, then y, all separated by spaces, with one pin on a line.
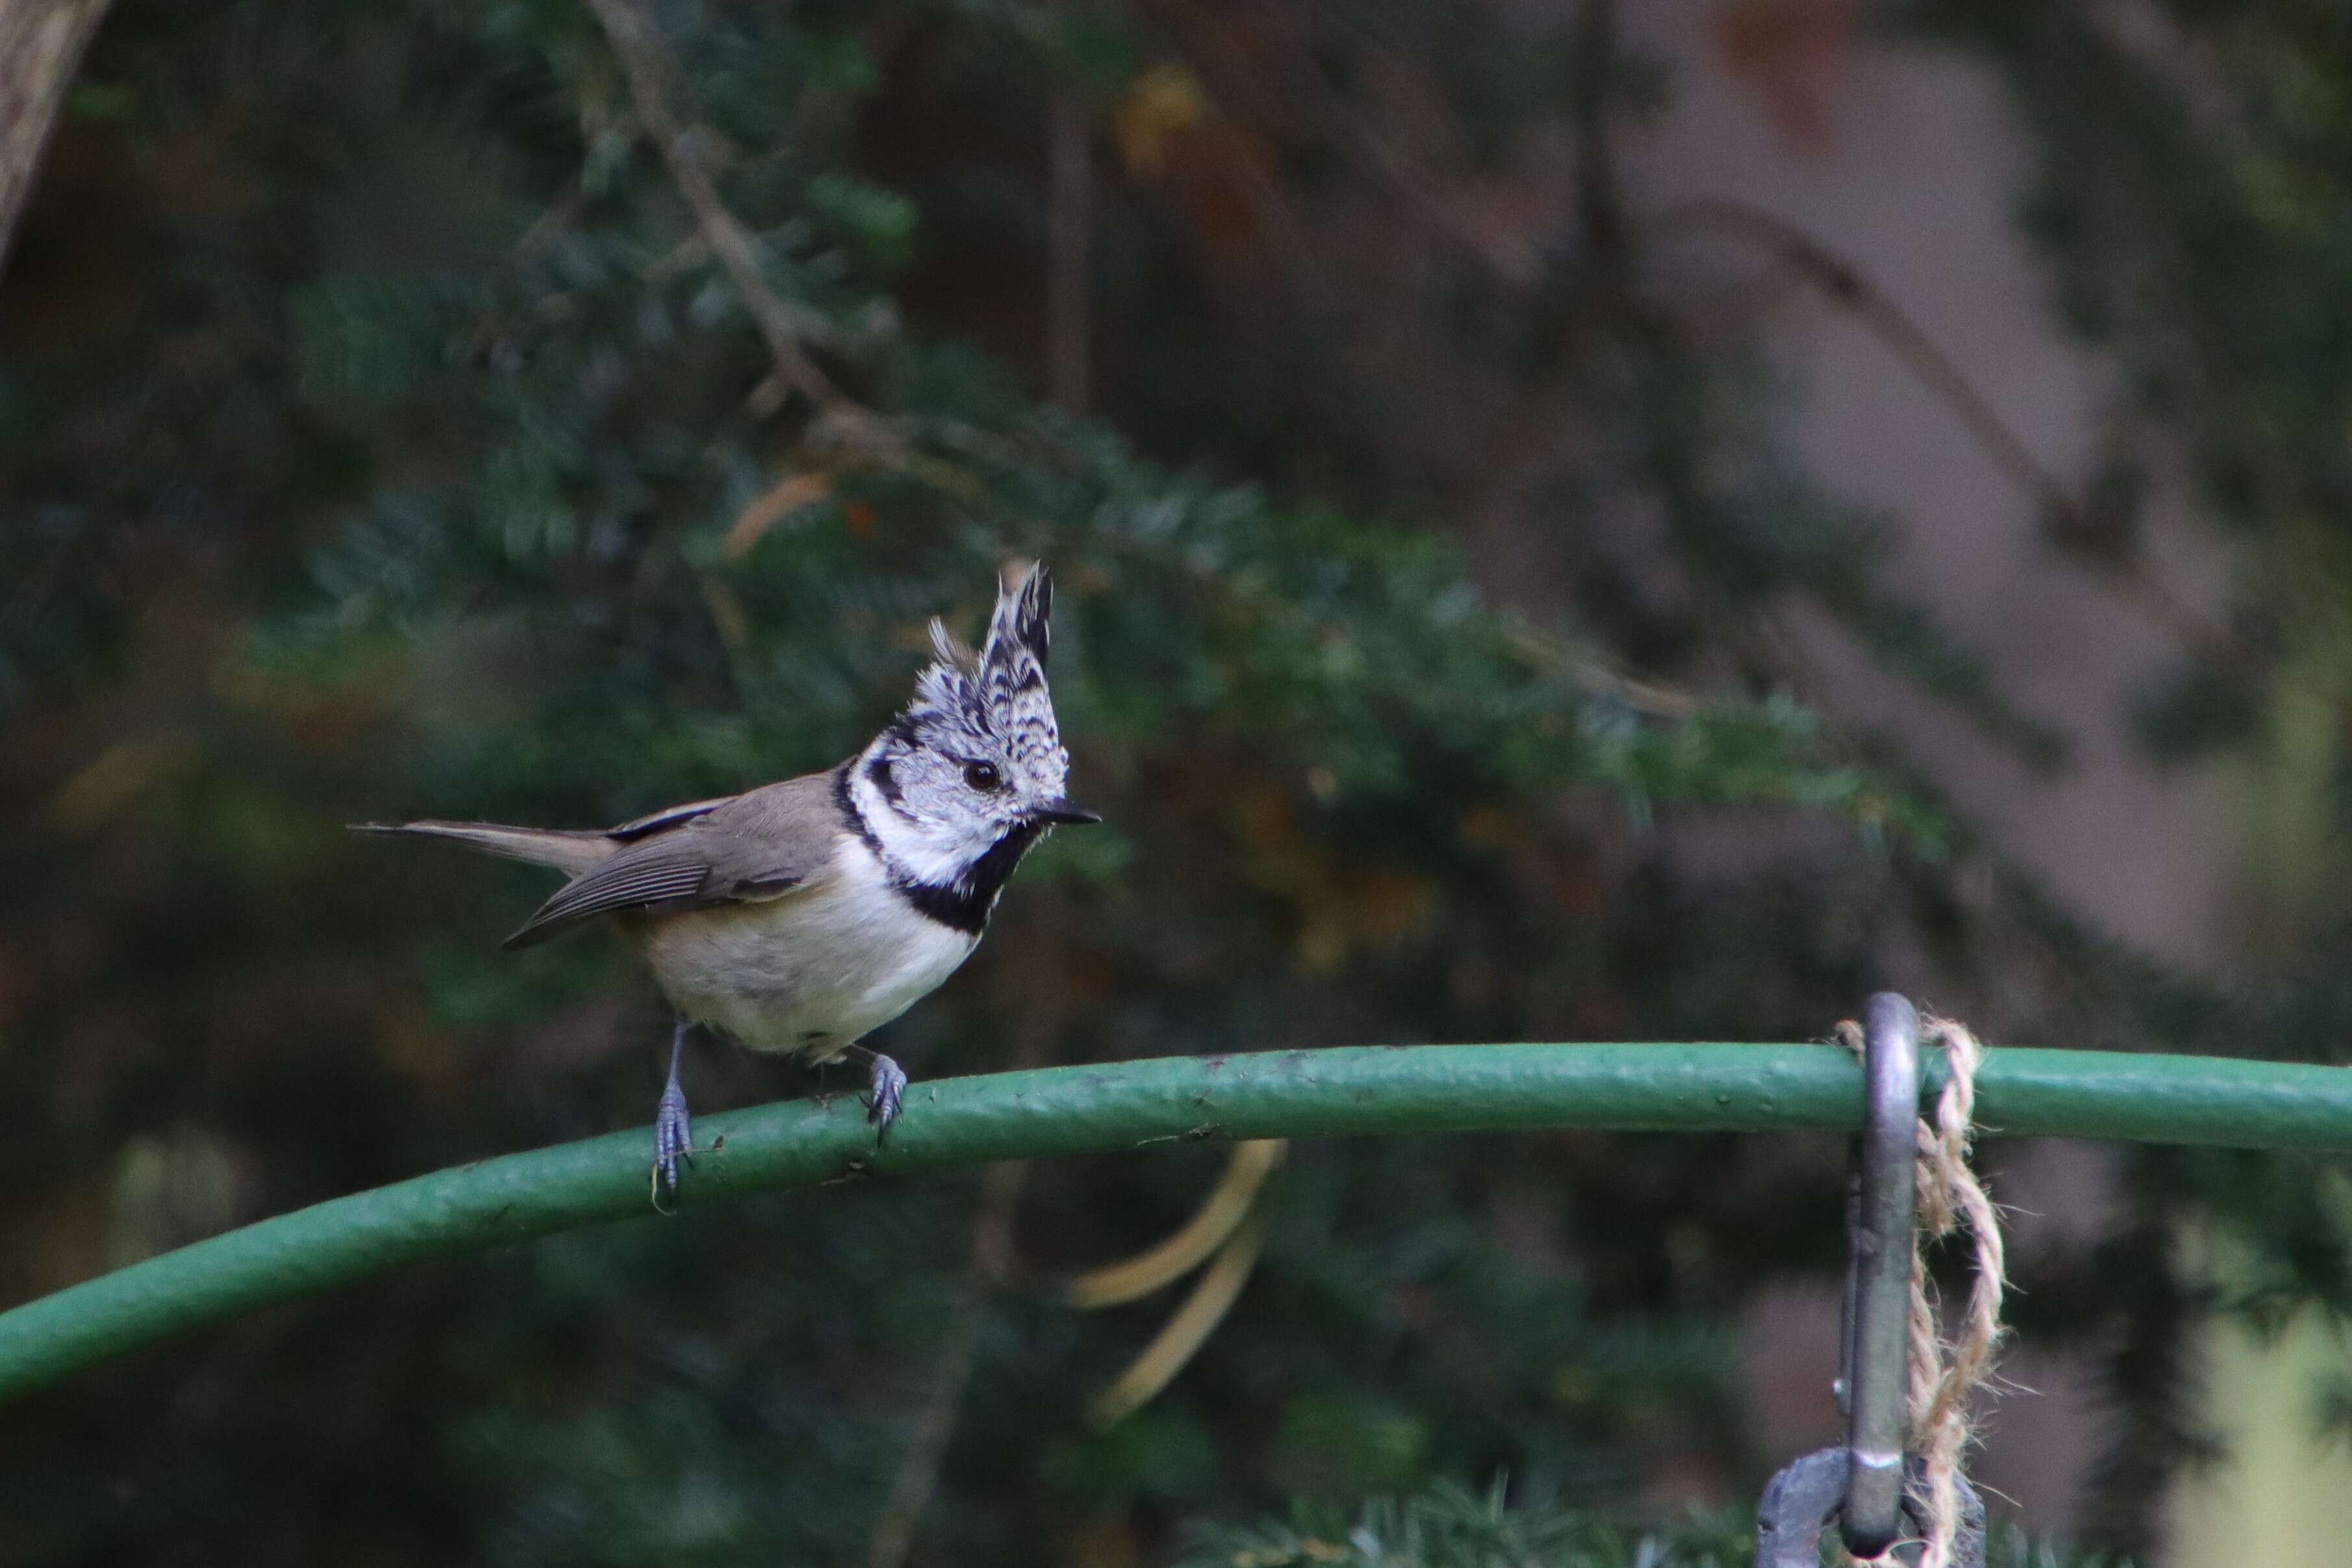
pixel 673 1140
pixel 887 1095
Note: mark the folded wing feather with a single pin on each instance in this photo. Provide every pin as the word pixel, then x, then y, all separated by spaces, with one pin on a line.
pixel 741 849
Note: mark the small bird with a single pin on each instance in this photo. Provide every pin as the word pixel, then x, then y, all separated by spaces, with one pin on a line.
pixel 800 916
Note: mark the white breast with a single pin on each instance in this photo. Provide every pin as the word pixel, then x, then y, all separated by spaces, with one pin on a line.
pixel 811 971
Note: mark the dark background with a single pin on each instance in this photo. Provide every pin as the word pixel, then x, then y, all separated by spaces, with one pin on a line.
pixel 1573 522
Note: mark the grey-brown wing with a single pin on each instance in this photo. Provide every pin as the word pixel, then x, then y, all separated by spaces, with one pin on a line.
pixel 747 848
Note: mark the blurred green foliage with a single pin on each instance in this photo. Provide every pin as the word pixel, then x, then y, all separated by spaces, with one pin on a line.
pixel 382 439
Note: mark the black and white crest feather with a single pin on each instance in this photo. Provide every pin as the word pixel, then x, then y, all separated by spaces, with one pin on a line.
pixel 998 694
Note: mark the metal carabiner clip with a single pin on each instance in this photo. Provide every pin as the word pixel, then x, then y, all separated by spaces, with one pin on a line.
pixel 1862 1484
pixel 1881 1207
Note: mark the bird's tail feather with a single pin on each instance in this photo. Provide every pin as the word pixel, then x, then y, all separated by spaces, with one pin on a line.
pixel 572 852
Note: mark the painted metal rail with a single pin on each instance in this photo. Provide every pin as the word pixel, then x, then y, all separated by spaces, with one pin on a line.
pixel 1340 1092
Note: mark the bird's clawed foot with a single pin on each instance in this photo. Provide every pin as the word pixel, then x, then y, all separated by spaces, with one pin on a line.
pixel 887 1095
pixel 673 1141
pixel 673 1128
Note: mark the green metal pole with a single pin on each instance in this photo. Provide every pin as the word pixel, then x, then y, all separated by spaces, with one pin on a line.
pixel 1350 1092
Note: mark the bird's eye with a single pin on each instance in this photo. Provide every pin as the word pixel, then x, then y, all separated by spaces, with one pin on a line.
pixel 983 776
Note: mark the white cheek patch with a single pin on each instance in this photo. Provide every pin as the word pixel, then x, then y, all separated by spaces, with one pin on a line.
pixel 933 856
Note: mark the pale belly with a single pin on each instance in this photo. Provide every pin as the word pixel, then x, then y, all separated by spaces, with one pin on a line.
pixel 810 972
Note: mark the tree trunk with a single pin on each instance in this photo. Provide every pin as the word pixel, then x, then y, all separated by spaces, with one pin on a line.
pixel 41 43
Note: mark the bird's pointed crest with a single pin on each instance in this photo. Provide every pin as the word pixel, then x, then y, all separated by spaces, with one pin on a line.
pixel 945 687
pixel 1023 623
pixel 999 692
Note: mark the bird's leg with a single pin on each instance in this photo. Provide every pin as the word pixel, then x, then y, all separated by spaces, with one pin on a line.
pixel 887 1093
pixel 673 1131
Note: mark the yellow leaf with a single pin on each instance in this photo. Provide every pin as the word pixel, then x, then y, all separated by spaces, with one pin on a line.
pixel 1162 102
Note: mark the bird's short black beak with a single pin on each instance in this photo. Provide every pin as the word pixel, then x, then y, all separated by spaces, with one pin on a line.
pixel 1068 812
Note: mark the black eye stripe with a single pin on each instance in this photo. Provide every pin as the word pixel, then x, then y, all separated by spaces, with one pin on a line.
pixel 884 780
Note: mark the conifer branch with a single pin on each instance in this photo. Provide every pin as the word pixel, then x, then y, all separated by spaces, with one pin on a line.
pixel 647 66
